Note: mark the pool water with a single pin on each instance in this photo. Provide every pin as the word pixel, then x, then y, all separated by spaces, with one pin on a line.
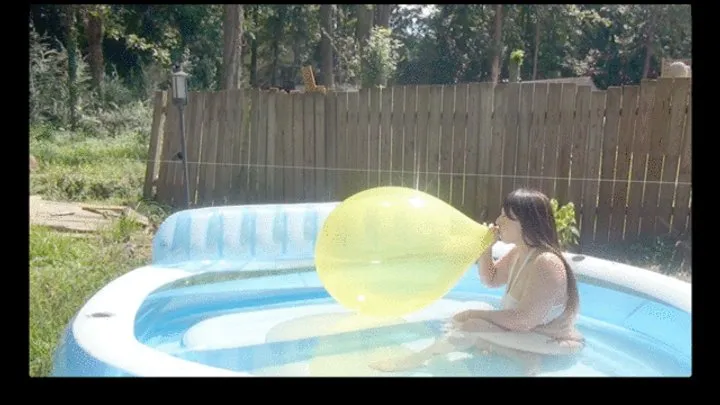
pixel 303 332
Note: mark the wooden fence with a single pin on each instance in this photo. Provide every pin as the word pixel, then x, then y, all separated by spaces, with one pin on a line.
pixel 622 156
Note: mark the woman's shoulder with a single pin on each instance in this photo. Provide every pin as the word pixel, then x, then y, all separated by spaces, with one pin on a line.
pixel 549 266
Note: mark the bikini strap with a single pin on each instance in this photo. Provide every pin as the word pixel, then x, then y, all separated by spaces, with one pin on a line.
pixel 515 271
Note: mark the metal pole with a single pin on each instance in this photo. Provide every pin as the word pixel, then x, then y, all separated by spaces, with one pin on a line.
pixel 181 107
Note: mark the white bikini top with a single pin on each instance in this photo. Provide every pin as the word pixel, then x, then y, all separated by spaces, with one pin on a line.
pixel 508 302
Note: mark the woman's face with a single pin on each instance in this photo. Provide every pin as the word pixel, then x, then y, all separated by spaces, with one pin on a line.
pixel 510 230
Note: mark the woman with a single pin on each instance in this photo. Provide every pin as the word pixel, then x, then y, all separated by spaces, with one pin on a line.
pixel 541 302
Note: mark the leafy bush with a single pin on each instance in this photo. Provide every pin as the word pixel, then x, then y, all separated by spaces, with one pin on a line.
pixel 566 224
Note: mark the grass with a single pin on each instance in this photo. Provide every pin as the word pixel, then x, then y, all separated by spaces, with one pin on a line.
pixel 65 269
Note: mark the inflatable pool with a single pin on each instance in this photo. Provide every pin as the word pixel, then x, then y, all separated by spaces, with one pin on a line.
pixel 231 291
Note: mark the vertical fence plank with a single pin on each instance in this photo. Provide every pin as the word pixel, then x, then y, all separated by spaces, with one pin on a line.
pixel 565 136
pixel 422 134
pixel 355 176
pixel 432 184
pixel 240 146
pixel 485 141
pixel 284 114
pixel 639 159
pixel 537 134
pixel 471 155
pixel 387 110
pixel 671 150
pixel 658 135
pixel 607 170
pixel 308 162
pixel 494 188
pixel 523 142
pixel 206 179
pixel 510 145
pixel 459 147
pixel 194 140
pixel 272 173
pixel 298 145
pixel 164 182
pixel 579 150
pixel 363 139
pixel 396 143
pixel 552 123
pixel 342 156
pixel 410 143
pixel 445 143
pixel 591 181
pixel 626 134
pixel 375 109
pixel 331 140
pixel 321 187
pixel 681 218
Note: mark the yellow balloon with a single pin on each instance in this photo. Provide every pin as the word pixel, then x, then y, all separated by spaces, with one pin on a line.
pixel 390 251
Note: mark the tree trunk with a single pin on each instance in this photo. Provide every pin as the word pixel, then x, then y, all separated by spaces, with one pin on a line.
pixel 536 45
pixel 382 14
pixel 94 31
pixel 253 49
pixel 362 33
pixel 649 41
pixel 71 45
pixel 497 42
pixel 326 18
pixel 232 45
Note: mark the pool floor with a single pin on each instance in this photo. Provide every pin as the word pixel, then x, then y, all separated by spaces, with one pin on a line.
pixel 320 338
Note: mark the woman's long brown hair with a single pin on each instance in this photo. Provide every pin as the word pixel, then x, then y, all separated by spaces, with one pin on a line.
pixel 533 210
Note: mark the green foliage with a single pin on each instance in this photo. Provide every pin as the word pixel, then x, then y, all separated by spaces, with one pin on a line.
pixel 75 167
pixel 381 56
pixel 517 56
pixel 566 224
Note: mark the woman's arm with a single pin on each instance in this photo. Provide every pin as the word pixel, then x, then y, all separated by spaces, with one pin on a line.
pixel 495 274
pixel 546 282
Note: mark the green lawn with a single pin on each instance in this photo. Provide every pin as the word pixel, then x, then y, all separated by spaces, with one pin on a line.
pixel 65 269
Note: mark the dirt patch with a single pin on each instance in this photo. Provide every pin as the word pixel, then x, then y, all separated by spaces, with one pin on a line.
pixel 75 217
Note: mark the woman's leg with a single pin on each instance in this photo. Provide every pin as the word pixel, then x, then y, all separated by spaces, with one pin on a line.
pixel 528 342
pixel 450 342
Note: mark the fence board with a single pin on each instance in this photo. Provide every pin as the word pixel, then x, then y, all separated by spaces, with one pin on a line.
pixel 485 139
pixel 565 135
pixel 671 151
pixel 458 150
pixel 387 111
pixel 396 136
pixel 445 140
pixel 537 134
pixel 552 123
pixel 319 146
pixel 681 219
pixel 579 150
pixel 409 155
pixel 626 134
pixel 494 187
pixel 607 169
pixel 658 130
pixel 375 110
pixel 330 147
pixel 423 117
pixel 510 144
pixel 196 114
pixel 523 142
pixel 591 183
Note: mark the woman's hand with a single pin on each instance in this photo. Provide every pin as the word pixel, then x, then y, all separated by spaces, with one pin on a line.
pixel 496 233
pixel 463 316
